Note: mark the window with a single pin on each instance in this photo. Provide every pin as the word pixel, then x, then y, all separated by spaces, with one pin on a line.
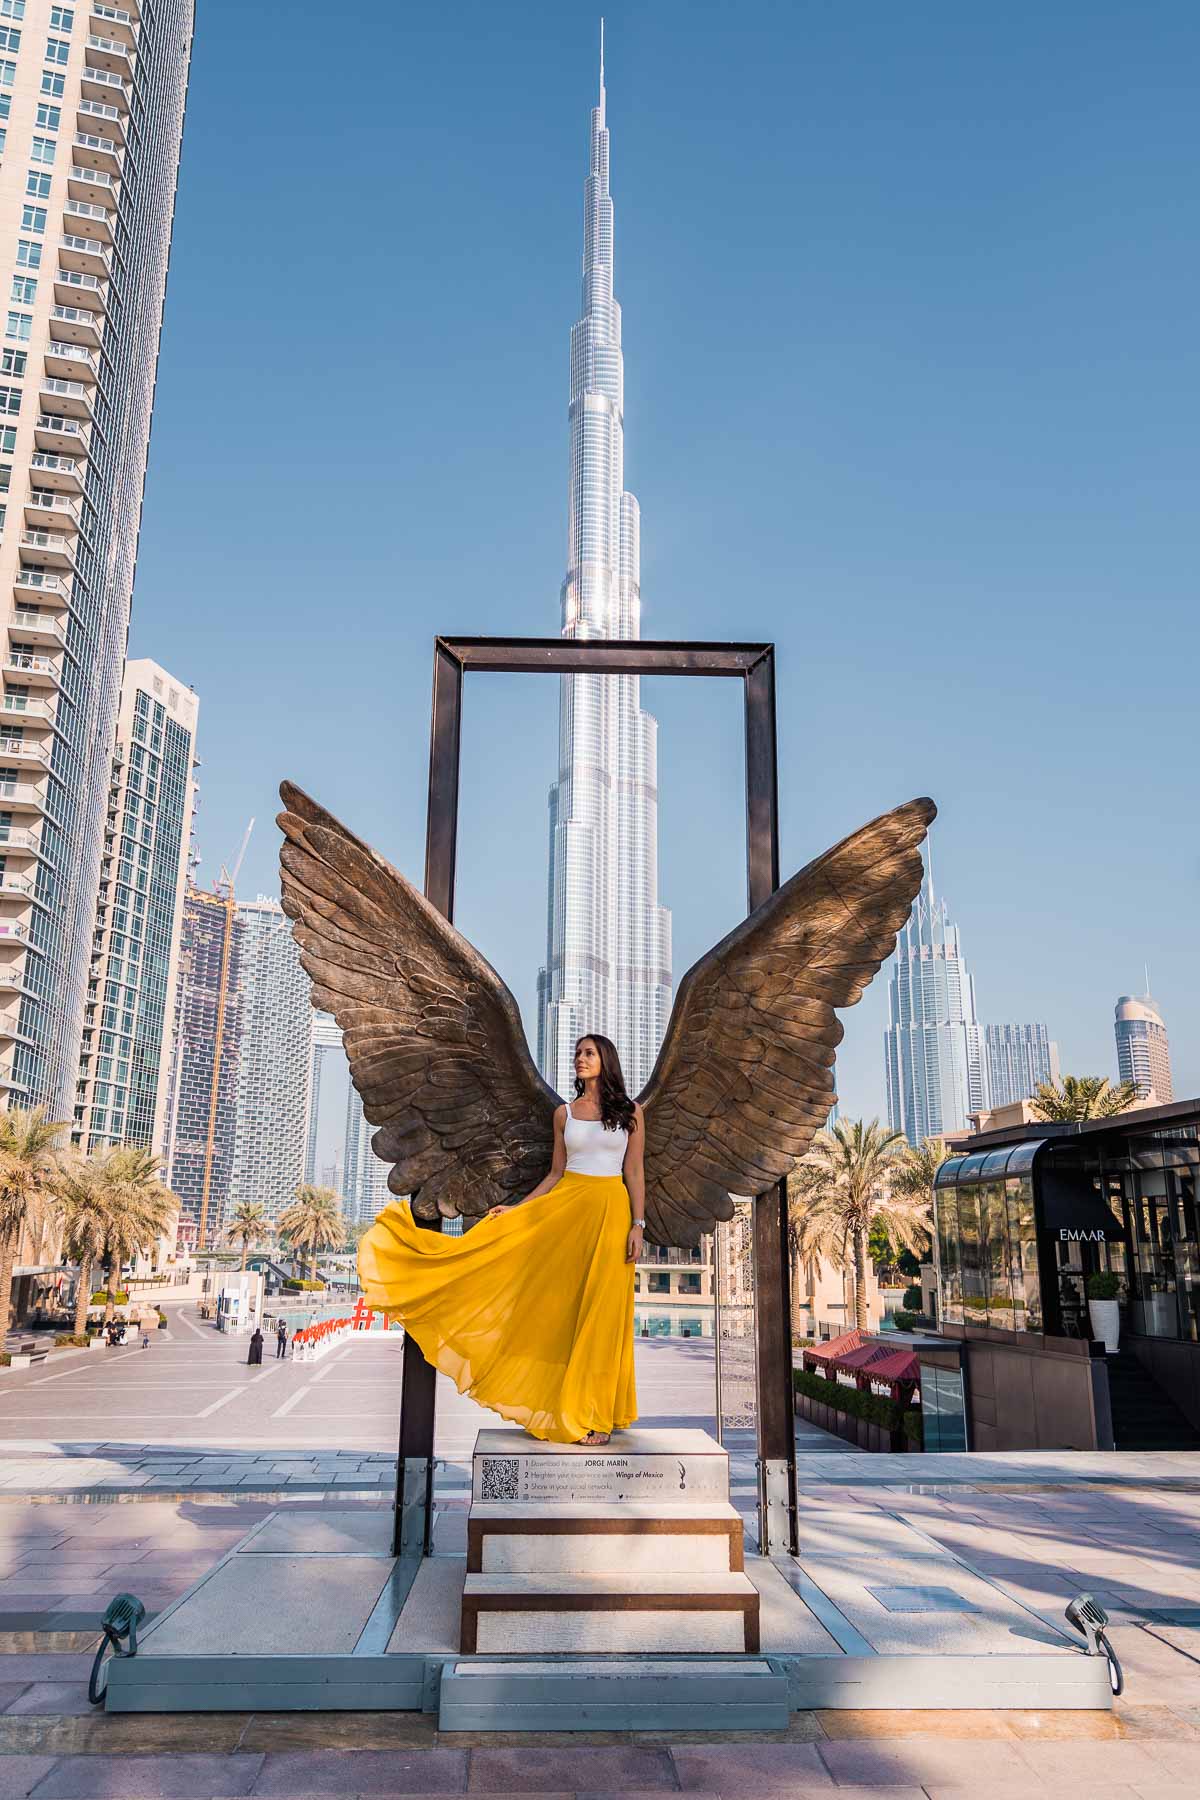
pixel 5 483
pixel 5 106
pixel 49 117
pixel 8 439
pixel 37 184
pixel 57 50
pixel 8 72
pixel 33 218
pixel 12 362
pixel 12 9
pixel 10 38
pixel 61 18
pixel 52 84
pixel 24 288
pixel 29 254
pixel 43 150
pixel 10 400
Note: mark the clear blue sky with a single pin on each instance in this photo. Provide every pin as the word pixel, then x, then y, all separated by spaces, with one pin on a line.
pixel 911 378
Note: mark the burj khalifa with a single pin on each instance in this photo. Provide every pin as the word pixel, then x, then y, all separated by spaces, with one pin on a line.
pixel 608 941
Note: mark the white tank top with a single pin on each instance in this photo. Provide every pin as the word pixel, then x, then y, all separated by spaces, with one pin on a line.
pixel 591 1149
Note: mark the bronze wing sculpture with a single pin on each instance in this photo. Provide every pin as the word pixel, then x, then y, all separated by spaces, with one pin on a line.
pixel 437 1051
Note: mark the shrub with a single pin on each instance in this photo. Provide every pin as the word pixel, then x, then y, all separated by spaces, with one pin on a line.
pixel 905 1321
pixel 874 1408
pixel 5 1359
pixel 912 1427
pixel 68 1337
pixel 296 1286
pixel 1103 1285
pixel 914 1299
pixel 100 1297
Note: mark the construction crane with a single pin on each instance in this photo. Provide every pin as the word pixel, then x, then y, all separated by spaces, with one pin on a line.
pixel 224 887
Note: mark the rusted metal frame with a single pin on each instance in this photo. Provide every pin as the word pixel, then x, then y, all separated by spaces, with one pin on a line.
pixel 754 664
pixel 413 1521
pixel 772 1285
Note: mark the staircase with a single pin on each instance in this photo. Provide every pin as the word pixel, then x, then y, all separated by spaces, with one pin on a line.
pixel 1143 1416
pixel 630 1556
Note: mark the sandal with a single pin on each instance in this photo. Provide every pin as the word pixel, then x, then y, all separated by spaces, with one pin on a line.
pixel 595 1440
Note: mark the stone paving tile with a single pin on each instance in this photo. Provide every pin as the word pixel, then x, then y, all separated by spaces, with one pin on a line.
pixel 43 1666
pixel 1176 1762
pixel 921 1762
pixel 366 1772
pixel 9 1692
pixel 44 1698
pixel 19 1775
pixel 923 1724
pixel 574 1769
pixel 749 1768
pixel 149 1777
pixel 342 1731
pixel 1083 1764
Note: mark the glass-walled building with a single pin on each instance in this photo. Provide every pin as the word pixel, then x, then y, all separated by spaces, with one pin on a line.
pixel 1023 1221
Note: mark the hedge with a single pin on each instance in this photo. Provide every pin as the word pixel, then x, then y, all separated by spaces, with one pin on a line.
pixel 874 1408
pixel 100 1297
pixel 913 1429
pixel 69 1337
pixel 914 1298
pixel 298 1287
pixel 905 1321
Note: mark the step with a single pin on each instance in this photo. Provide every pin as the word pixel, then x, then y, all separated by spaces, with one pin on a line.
pixel 667 1466
pixel 618 1694
pixel 699 1536
pixel 609 1612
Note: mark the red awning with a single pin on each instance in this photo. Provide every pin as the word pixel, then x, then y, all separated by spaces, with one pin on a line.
pixel 836 1347
pixel 865 1357
pixel 896 1365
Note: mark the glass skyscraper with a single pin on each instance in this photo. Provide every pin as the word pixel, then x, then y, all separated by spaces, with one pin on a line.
pixel 92 102
pixel 1019 1059
pixel 274 1064
pixel 1143 1047
pixel 933 1051
pixel 203 1108
pixel 326 1042
pixel 608 941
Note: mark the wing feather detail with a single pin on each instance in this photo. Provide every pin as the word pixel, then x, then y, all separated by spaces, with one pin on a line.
pixel 433 1036
pixel 745 1074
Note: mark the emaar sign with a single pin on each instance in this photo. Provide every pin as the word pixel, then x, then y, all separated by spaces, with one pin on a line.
pixel 1067 1236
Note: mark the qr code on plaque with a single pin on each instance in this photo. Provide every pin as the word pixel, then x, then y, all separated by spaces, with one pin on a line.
pixel 500 1478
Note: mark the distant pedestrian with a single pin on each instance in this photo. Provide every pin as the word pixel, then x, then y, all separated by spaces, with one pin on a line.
pixel 256 1347
pixel 145 1338
pixel 280 1340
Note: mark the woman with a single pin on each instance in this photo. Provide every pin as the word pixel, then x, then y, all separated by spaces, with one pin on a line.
pixel 531 1311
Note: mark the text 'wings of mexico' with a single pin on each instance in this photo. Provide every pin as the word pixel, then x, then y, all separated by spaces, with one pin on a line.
pixel 531 1310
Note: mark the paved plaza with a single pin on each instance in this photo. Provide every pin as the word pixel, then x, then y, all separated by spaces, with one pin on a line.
pixel 136 1470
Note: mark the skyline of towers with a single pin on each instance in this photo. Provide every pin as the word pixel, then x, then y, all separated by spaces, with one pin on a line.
pixel 608 940
pixel 204 1098
pixel 93 131
pixel 125 1058
pixel 1143 1047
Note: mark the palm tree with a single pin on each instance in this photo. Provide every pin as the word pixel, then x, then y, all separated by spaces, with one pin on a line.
pixel 313 1222
pixel 918 1167
pixel 843 1185
pixel 30 1166
pixel 1082 1097
pixel 81 1200
pixel 136 1208
pixel 249 1222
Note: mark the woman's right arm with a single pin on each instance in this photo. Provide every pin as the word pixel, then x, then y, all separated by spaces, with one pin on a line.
pixel 558 1165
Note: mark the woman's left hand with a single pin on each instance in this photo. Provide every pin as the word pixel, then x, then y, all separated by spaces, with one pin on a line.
pixel 633 1244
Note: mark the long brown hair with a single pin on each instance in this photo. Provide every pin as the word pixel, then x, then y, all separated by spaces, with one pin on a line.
pixel 616 1108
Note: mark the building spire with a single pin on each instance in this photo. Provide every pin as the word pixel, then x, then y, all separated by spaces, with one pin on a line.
pixel 601 101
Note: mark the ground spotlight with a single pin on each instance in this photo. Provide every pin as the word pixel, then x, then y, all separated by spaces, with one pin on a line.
pixel 1089 1618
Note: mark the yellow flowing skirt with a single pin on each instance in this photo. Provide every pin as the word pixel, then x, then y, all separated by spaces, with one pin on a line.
pixel 531 1313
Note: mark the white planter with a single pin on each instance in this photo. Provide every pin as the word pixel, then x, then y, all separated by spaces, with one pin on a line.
pixel 1106 1323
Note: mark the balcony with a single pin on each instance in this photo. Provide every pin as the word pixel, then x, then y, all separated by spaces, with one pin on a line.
pixel 14 749
pixel 68 399
pixel 16 887
pixel 87 183
pixel 47 588
pixel 25 710
pixel 115 22
pixel 22 797
pixel 75 325
pixel 48 549
pixel 62 474
pixel 16 841
pixel 91 150
pixel 71 361
pixel 101 115
pixel 83 255
pixel 54 432
pixel 72 287
pixel 106 86
pixel 46 510
pixel 89 221
pixel 37 671
pixel 109 53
